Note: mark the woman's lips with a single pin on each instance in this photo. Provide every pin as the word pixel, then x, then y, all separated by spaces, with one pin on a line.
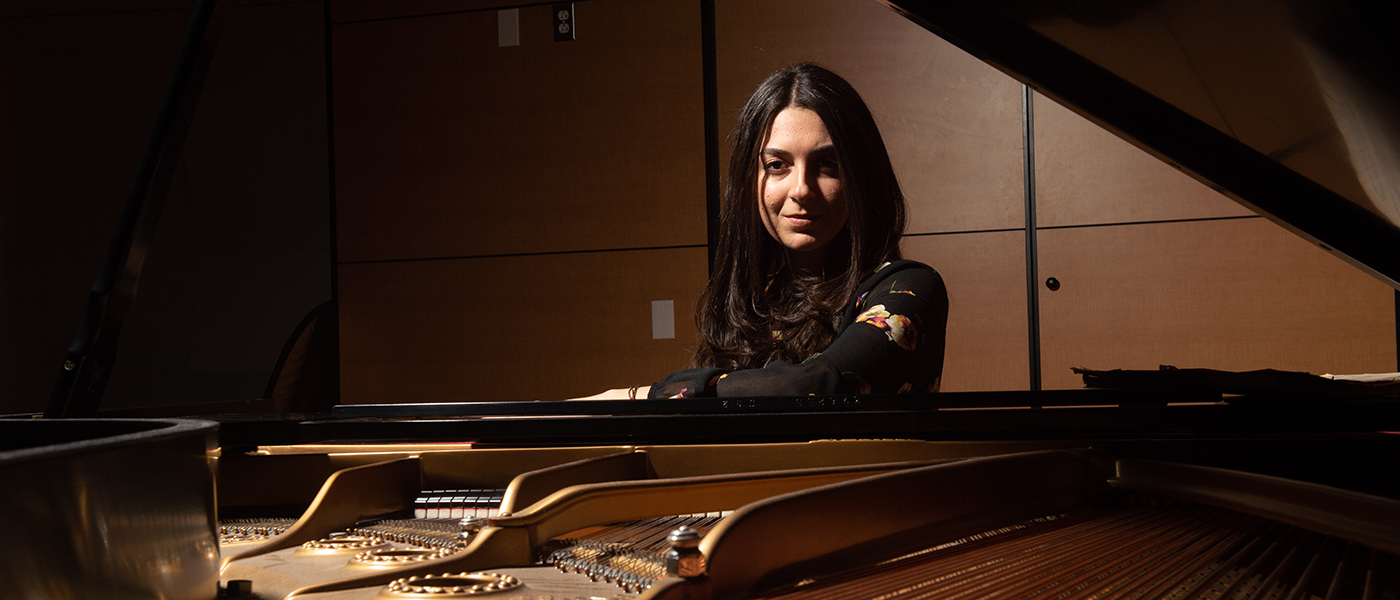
pixel 800 220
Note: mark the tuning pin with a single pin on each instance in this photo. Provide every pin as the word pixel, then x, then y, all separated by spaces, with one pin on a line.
pixel 684 558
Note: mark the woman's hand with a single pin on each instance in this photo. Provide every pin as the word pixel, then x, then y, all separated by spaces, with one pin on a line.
pixel 620 394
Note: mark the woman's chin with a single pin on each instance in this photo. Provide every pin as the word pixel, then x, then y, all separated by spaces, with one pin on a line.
pixel 806 256
pixel 801 242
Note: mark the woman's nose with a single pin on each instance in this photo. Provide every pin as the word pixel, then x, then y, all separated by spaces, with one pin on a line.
pixel 804 182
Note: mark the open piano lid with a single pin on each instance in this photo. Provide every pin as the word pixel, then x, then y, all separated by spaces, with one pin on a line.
pixel 1289 107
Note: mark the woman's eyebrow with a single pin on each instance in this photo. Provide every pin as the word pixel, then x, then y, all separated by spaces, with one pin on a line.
pixel 780 152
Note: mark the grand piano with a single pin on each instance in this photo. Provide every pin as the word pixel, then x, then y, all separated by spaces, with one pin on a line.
pixel 1169 485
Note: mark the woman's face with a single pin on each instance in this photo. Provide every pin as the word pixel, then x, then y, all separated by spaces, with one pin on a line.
pixel 799 188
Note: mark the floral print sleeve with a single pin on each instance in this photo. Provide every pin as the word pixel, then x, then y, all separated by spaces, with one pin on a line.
pixel 898 328
pixel 890 341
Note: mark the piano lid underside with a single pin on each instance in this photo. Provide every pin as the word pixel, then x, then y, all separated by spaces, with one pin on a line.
pixel 1285 106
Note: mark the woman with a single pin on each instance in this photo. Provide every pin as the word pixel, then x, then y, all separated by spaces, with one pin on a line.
pixel 810 295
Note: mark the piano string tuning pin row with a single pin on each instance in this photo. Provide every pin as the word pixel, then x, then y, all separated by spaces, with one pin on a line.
pixel 627 580
pixel 251 530
pixel 425 534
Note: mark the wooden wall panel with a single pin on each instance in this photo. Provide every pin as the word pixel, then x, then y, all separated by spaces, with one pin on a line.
pixel 1238 66
pixel 952 124
pixel 1273 86
pixel 516 328
pixel 1235 295
pixel 1086 175
pixel 363 10
pixel 986 278
pixel 78 96
pixel 242 251
pixel 1250 55
pixel 448 146
pixel 1141 42
pixel 52 8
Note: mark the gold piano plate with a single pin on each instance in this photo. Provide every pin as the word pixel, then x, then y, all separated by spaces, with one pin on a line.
pixel 397 557
pixel 448 585
pixel 342 545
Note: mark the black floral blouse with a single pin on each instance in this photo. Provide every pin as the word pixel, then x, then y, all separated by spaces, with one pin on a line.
pixel 890 340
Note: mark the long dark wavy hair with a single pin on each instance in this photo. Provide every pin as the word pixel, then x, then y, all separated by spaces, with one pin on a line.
pixel 754 310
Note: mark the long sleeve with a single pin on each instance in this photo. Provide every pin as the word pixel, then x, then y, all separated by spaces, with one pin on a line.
pixel 891 340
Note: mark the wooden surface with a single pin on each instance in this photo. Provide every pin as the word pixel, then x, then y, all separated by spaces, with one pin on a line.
pixel 951 123
pixel 518 328
pixel 449 146
pixel 362 10
pixel 1086 175
pixel 242 249
pixel 52 8
pixel 1233 295
pixel 78 98
pixel 1240 66
pixel 1248 55
pixel 512 161
pixel 986 278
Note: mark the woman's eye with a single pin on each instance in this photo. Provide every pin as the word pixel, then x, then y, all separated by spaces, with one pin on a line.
pixel 774 165
pixel 831 166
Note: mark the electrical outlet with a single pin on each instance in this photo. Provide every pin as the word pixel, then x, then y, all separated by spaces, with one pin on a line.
pixel 564 22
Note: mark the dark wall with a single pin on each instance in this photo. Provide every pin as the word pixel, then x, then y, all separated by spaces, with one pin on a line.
pixel 507 215
pixel 241 252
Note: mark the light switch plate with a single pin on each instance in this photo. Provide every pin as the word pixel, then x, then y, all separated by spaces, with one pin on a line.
pixel 663 320
pixel 508 27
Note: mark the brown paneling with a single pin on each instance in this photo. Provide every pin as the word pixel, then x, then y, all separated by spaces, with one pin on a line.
pixel 952 124
pixel 242 250
pixel 517 328
pixel 1086 175
pixel 78 95
pixel 1255 62
pixel 986 278
pixel 1234 295
pixel 47 8
pixel 361 10
pixel 447 145
pixel 24 9
pixel 1141 43
pixel 1327 160
pixel 1247 54
pixel 1241 66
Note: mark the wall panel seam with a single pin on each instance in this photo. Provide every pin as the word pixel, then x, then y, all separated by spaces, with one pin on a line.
pixel 710 73
pixel 135 11
pixel 443 13
pixel 1032 272
pixel 97 12
pixel 967 231
pixel 1151 222
pixel 519 254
